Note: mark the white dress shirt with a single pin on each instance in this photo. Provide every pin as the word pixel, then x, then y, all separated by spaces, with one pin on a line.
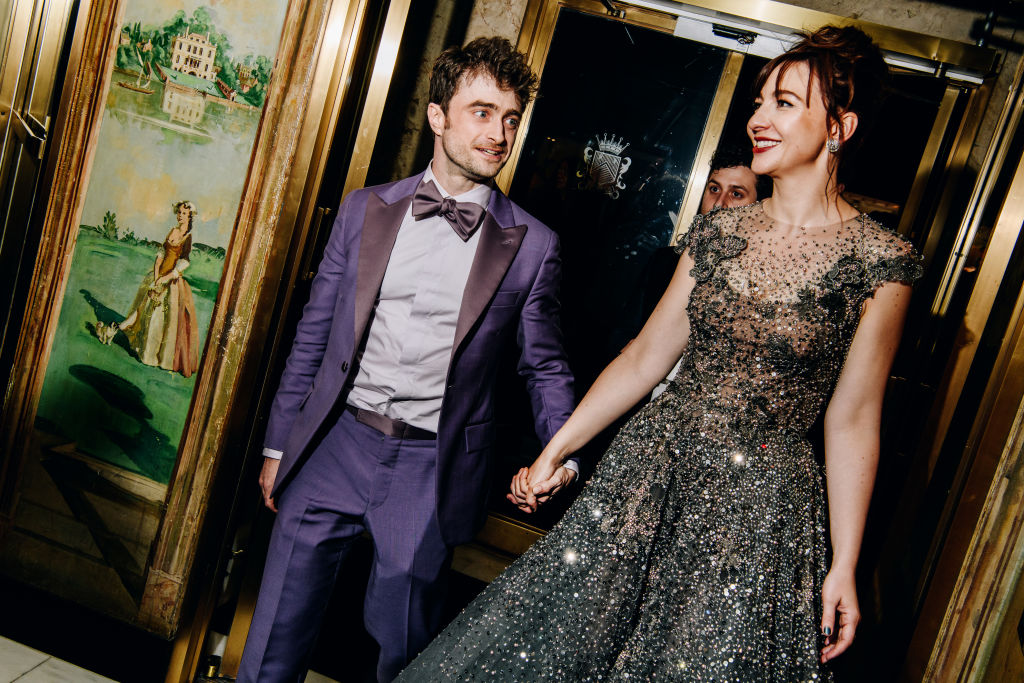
pixel 404 367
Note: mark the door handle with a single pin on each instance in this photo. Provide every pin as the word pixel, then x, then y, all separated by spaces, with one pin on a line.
pixel 34 143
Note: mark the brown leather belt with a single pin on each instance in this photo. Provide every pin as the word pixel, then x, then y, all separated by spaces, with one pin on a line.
pixel 389 427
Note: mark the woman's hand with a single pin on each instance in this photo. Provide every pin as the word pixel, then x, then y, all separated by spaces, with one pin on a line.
pixel 535 485
pixel 839 597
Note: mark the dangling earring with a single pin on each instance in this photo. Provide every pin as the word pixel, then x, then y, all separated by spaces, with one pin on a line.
pixel 832 145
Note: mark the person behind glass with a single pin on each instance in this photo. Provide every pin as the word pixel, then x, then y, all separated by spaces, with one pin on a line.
pixel 698 549
pixel 731 184
pixel 383 421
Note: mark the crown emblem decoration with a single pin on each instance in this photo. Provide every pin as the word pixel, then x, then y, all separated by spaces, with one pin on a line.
pixel 604 165
pixel 608 143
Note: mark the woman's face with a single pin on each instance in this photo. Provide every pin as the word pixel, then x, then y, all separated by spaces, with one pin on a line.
pixel 788 129
pixel 184 213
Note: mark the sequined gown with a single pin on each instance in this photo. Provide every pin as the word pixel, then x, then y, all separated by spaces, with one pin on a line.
pixel 697 550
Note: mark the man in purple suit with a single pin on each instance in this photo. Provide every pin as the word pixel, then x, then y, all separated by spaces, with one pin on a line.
pixel 384 419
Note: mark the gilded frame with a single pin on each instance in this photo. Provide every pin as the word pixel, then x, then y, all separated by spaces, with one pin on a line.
pixel 251 279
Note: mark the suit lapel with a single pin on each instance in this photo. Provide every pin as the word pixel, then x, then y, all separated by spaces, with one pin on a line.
pixel 495 253
pixel 380 228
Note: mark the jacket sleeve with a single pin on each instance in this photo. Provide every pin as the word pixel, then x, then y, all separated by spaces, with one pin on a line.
pixel 311 335
pixel 542 360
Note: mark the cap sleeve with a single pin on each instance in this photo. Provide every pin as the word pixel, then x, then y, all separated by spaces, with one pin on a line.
pixel 695 234
pixel 707 245
pixel 890 258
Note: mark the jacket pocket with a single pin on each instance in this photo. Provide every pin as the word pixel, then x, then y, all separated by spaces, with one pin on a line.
pixel 479 436
pixel 502 299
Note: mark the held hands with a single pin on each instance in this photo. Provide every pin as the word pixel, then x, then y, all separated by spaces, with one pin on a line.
pixel 839 596
pixel 533 486
pixel 268 475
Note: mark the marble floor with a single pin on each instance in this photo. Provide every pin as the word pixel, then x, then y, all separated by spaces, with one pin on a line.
pixel 25 665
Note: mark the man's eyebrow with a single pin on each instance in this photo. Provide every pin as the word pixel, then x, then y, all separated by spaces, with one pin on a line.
pixel 490 105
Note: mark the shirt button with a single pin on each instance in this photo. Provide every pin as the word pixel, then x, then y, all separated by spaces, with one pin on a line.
pixel 344 366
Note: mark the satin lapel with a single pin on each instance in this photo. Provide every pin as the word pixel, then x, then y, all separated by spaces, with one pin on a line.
pixel 498 247
pixel 380 228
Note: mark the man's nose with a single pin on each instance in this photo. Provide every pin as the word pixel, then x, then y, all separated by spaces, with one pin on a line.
pixel 496 131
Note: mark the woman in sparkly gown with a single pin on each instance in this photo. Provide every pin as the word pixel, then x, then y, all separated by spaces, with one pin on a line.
pixel 699 549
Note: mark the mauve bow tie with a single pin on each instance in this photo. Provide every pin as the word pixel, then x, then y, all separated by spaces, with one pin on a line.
pixel 464 217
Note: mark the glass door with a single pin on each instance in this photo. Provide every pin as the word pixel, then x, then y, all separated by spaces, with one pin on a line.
pixel 614 156
pixel 610 152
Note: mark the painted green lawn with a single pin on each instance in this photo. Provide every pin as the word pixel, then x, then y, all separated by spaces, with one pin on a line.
pixel 100 397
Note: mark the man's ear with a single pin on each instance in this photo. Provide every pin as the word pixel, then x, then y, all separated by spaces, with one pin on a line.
pixel 436 118
pixel 845 127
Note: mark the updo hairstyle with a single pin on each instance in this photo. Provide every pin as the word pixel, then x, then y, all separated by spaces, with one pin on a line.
pixel 851 74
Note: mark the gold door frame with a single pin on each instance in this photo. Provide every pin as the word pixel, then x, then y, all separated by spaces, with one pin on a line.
pixel 963 65
pixel 966 614
pixel 273 215
pixel 336 83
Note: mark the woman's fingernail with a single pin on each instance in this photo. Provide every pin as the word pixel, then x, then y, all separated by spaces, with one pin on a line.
pixel 827 631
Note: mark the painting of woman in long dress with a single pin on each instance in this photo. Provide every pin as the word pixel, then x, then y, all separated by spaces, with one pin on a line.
pixel 161 327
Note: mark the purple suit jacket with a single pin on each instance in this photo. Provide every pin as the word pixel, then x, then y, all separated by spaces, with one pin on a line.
pixel 512 290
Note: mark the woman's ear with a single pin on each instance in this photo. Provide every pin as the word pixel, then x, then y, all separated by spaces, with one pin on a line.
pixel 844 127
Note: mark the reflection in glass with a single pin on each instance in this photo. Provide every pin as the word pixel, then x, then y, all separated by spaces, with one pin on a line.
pixel 605 164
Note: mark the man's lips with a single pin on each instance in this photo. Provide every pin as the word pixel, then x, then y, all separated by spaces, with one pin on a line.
pixel 492 153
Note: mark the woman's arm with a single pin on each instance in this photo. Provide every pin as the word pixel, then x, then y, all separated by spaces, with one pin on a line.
pixel 852 426
pixel 625 381
pixel 157 262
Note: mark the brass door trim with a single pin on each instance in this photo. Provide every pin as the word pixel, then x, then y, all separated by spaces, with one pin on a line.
pixel 940 52
pixel 709 140
pixel 535 38
pixel 376 96
pixel 1009 119
pixel 990 275
pixel 327 90
pixel 962 144
pixel 931 153
pixel 987 572
pixel 11 84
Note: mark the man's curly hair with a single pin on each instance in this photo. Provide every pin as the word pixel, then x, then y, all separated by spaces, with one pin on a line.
pixel 492 56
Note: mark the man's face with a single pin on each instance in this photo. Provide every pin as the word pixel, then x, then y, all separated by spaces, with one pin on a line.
pixel 729 187
pixel 472 141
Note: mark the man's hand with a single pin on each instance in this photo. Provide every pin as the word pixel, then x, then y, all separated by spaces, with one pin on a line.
pixel 268 475
pixel 533 486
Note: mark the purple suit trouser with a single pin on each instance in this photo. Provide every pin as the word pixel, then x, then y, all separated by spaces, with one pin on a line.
pixel 355 480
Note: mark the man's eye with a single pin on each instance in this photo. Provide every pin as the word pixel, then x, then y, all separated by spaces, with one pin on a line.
pixel 480 113
pixel 512 122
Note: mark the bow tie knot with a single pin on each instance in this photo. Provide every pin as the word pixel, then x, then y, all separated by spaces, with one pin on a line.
pixel 464 217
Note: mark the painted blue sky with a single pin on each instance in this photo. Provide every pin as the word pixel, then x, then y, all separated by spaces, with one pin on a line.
pixel 252 26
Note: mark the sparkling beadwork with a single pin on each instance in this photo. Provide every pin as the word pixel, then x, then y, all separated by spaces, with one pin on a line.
pixel 697 550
